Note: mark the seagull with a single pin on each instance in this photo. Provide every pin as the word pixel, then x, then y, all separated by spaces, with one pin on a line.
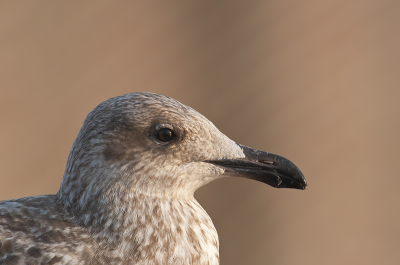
pixel 127 192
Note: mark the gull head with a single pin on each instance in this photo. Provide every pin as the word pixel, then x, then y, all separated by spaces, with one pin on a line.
pixel 152 145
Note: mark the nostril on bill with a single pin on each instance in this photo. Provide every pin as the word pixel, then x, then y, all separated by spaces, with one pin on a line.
pixel 267 162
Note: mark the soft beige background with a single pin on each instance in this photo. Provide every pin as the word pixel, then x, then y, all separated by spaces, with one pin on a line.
pixel 314 81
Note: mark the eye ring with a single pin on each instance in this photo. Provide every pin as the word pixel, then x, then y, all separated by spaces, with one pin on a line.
pixel 165 135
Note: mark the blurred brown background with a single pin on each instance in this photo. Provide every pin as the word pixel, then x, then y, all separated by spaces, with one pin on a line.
pixel 314 81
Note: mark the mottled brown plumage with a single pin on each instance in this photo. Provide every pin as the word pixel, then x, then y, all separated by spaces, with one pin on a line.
pixel 127 194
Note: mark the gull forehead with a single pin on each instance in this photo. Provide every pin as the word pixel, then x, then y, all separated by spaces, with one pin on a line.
pixel 127 192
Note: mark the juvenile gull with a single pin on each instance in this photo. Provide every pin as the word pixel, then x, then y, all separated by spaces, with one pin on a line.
pixel 127 192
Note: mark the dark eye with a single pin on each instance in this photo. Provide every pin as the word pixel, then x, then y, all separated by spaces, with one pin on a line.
pixel 165 135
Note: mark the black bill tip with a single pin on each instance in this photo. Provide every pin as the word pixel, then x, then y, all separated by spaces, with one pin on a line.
pixel 271 169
